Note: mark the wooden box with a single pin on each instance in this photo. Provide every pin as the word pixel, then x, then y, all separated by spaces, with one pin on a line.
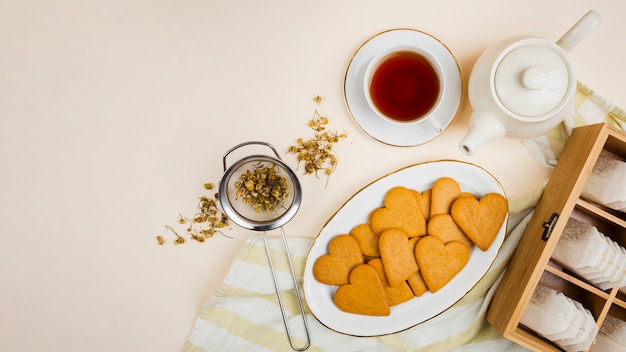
pixel 531 263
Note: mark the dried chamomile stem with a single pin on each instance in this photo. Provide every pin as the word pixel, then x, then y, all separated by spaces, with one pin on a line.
pixel 262 188
pixel 204 224
pixel 317 153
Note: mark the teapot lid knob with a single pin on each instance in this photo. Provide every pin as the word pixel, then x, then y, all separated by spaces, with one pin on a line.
pixel 535 78
pixel 532 80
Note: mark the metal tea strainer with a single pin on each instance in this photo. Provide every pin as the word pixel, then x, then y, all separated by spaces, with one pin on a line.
pixel 245 216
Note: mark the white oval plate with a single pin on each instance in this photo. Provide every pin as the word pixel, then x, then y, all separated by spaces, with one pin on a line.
pixel 319 297
pixel 401 134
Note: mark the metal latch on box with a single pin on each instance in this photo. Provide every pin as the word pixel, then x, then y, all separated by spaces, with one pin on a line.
pixel 548 226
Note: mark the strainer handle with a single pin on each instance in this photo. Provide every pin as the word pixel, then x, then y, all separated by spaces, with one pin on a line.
pixel 248 143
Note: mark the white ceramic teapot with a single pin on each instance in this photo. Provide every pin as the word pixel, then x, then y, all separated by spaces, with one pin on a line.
pixel 523 86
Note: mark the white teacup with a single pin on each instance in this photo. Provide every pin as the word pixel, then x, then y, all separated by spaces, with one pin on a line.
pixel 405 84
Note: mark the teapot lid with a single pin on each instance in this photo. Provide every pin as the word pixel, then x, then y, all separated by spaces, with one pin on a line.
pixel 532 80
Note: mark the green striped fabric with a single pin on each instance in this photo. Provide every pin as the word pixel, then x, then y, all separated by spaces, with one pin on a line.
pixel 243 314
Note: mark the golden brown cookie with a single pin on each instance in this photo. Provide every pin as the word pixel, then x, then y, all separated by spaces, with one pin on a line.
pixel 480 219
pixel 412 243
pixel 395 294
pixel 424 203
pixel 439 263
pixel 364 294
pixel 367 240
pixel 398 259
pixel 466 194
pixel 343 255
pixel 444 192
pixel 444 227
pixel 401 211
pixel 417 284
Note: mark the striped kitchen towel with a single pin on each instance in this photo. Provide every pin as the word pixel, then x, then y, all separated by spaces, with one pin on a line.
pixel 244 315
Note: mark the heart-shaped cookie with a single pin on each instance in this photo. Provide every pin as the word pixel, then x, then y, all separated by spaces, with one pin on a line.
pixel 364 294
pixel 423 199
pixel 367 240
pixel 417 284
pixel 480 219
pixel 444 227
pixel 397 256
pixel 401 211
pixel 439 263
pixel 343 255
pixel 395 294
pixel 444 192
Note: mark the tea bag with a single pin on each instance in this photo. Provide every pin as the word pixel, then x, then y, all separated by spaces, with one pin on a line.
pixel 613 274
pixel 560 319
pixel 611 257
pixel 575 328
pixel 611 337
pixel 621 281
pixel 581 248
pixel 607 183
pixel 590 254
pixel 586 334
pixel 620 262
pixel 548 312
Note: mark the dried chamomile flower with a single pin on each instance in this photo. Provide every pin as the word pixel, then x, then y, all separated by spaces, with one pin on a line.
pixel 262 188
pixel 204 224
pixel 179 238
pixel 317 153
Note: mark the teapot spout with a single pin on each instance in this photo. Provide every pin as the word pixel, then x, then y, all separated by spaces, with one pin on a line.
pixel 483 128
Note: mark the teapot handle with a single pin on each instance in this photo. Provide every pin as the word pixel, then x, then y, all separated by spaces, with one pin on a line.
pixel 579 31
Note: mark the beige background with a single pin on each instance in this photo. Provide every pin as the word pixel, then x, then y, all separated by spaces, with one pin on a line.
pixel 114 114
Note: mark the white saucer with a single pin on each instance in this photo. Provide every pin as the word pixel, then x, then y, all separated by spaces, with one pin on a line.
pixel 402 134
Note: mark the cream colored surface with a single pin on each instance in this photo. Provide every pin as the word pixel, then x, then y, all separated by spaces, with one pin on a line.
pixel 113 115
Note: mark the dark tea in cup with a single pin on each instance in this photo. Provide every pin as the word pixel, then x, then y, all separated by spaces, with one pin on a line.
pixel 404 86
